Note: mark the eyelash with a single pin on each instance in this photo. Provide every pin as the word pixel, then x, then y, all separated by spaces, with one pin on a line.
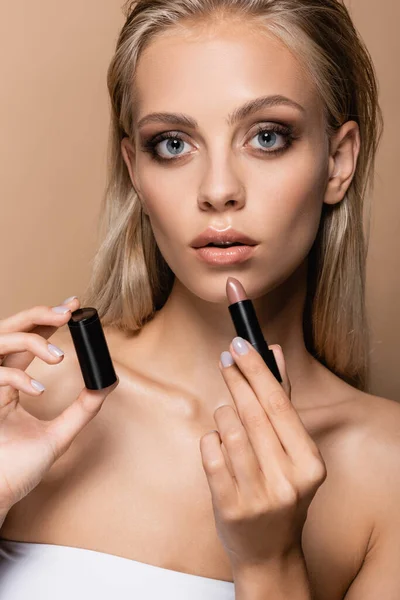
pixel 285 130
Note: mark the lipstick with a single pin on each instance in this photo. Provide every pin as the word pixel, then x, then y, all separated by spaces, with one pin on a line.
pixel 246 323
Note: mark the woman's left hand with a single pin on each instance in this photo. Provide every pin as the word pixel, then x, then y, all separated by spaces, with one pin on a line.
pixel 261 498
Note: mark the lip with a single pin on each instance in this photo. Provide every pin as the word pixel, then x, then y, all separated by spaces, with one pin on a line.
pixel 225 256
pixel 211 235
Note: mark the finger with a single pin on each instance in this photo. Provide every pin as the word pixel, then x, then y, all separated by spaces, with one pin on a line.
pixel 25 320
pixel 283 416
pixel 280 361
pixel 223 488
pixel 41 320
pixel 267 446
pixel 62 430
pixel 20 341
pixel 245 466
pixel 18 380
pixel 13 379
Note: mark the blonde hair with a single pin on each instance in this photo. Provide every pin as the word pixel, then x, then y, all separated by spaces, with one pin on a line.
pixel 130 279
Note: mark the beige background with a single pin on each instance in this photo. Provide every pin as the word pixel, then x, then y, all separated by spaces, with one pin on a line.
pixel 54 123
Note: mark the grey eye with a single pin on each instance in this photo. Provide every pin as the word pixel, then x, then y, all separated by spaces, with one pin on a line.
pixel 173 145
pixel 267 139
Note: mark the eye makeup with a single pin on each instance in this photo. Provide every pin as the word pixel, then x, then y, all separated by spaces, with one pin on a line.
pixel 273 129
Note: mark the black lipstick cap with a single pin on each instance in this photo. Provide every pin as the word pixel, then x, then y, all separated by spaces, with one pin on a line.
pixel 247 326
pixel 91 348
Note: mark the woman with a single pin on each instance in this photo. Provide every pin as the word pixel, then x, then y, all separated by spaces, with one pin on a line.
pixel 260 117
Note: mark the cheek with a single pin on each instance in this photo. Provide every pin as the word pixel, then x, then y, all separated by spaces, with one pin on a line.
pixel 297 195
pixel 288 213
pixel 165 208
pixel 306 195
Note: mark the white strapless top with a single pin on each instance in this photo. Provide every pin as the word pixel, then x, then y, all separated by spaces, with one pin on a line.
pixel 38 571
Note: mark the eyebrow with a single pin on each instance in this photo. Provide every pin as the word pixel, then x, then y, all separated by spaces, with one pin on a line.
pixel 237 115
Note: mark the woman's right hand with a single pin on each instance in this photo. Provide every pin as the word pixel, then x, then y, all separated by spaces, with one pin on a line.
pixel 30 446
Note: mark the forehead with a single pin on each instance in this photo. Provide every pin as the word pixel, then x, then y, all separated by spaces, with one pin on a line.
pixel 193 71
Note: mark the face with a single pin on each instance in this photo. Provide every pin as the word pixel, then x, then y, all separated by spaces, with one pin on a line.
pixel 265 174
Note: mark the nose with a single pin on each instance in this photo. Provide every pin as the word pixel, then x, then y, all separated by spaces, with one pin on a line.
pixel 221 189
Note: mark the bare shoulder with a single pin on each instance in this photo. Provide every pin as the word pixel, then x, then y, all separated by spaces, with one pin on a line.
pixel 371 432
pixel 375 464
pixel 378 423
pixel 381 436
pixel 358 436
pixel 374 453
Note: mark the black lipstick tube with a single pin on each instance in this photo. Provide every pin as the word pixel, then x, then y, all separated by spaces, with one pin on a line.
pixel 91 349
pixel 247 326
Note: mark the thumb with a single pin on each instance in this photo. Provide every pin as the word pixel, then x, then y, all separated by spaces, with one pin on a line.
pixel 62 430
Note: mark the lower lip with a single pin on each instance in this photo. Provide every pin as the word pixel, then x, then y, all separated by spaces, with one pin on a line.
pixel 225 256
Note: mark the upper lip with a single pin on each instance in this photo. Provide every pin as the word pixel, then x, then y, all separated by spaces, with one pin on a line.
pixel 217 237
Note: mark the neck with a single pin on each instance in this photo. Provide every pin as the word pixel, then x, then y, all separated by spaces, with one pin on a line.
pixel 186 337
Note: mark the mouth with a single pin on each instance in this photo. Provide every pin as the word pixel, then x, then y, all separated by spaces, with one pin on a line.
pixel 212 238
pixel 225 254
pixel 226 245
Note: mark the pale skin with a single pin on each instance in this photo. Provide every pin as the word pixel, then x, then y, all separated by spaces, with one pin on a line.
pixel 174 361
pixel 224 182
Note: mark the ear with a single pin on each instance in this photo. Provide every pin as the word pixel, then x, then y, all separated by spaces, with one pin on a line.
pixel 128 154
pixel 344 151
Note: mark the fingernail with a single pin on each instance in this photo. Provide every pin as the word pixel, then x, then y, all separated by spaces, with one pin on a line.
pixel 240 345
pixel 227 359
pixel 61 309
pixel 55 350
pixel 69 299
pixel 37 385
